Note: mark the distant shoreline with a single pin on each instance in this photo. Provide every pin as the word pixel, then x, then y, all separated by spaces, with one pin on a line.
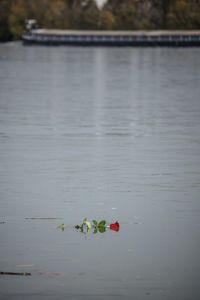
pixel 113 38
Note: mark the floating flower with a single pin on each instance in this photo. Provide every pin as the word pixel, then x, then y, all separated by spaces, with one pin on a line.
pixel 94 226
pixel 114 226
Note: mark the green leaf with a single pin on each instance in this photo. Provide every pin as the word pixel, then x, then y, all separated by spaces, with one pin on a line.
pixel 95 223
pixel 102 229
pixel 84 220
pixel 95 231
pixel 102 223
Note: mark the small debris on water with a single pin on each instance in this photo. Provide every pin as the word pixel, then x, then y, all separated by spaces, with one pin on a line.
pixel 35 218
pixel 15 273
pixel 62 226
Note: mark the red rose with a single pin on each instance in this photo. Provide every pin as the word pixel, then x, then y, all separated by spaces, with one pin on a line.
pixel 114 226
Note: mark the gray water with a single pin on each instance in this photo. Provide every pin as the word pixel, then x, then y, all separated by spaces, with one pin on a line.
pixel 102 133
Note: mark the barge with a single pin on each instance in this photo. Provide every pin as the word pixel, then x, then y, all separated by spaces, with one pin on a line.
pixel 112 38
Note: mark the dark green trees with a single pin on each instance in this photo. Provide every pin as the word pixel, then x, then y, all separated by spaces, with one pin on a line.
pixel 55 14
pixel 151 14
pixel 123 12
pixel 5 33
pixel 184 14
pixel 84 14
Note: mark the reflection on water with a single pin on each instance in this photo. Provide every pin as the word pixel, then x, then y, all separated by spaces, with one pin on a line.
pixel 106 133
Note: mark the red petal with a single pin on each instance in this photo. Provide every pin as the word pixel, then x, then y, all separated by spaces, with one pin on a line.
pixel 114 226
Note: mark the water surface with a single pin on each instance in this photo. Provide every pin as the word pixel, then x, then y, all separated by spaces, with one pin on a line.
pixel 102 133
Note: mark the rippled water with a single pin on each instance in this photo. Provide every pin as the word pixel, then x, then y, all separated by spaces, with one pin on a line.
pixel 102 133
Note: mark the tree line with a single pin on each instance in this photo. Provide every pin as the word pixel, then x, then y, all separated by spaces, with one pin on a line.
pixel 85 14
